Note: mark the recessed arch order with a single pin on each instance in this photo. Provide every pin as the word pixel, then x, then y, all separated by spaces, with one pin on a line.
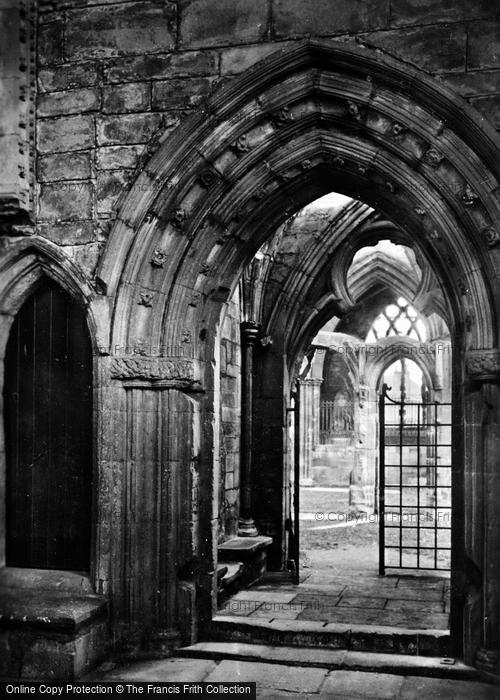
pixel 314 118
pixel 307 120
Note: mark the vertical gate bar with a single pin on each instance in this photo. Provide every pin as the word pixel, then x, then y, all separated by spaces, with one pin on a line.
pixel 418 484
pixel 435 482
pixel 401 414
pixel 296 484
pixel 381 492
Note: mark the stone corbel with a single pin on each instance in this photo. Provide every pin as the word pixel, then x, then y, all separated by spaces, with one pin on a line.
pixel 483 365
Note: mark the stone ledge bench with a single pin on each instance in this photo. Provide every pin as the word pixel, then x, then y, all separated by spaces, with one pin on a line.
pixel 52 625
pixel 251 552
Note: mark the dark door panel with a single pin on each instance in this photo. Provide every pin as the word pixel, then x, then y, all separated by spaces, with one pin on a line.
pixel 48 402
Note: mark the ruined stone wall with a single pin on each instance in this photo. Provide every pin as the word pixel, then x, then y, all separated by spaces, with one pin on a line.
pixel 114 75
pixel 230 407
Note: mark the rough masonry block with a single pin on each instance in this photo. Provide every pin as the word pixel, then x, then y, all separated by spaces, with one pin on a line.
pixel 175 94
pixel 110 185
pixel 74 233
pixel 65 133
pixel 66 201
pixel 68 76
pixel 405 12
pixel 490 108
pixel 484 45
pixel 439 48
pixel 64 166
pixel 474 83
pixel 131 97
pixel 116 157
pixel 50 43
pixel 236 60
pixel 127 128
pixel 179 65
pixel 297 18
pixel 51 104
pixel 203 23
pixel 128 28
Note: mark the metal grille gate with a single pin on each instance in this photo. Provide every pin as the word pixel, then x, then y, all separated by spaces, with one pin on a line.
pixel 414 484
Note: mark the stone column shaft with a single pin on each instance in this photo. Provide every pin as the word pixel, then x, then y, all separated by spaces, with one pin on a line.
pixel 249 335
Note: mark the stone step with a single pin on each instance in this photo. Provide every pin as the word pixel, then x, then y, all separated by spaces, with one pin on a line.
pixel 333 659
pixel 309 633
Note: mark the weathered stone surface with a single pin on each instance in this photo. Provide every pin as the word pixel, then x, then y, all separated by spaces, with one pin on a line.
pixel 50 43
pixel 237 59
pixel 418 687
pixel 69 234
pixel 68 76
pixel 131 97
pixel 109 187
pixel 131 128
pixel 66 201
pixel 173 94
pixel 176 65
pixel 64 166
pixel 435 48
pixel 484 45
pixel 307 680
pixel 68 102
pixel 353 684
pixel 297 18
pixel 474 83
pixel 126 29
pixel 115 157
pixel 490 108
pixel 203 23
pixel 405 12
pixel 85 256
pixel 49 658
pixel 172 670
pixel 65 133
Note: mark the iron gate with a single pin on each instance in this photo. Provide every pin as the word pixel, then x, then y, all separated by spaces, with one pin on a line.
pixel 414 484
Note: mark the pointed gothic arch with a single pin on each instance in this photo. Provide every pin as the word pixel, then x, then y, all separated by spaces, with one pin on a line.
pixel 310 119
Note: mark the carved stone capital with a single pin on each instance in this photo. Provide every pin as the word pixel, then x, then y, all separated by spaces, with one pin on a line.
pixel 483 365
pixel 157 368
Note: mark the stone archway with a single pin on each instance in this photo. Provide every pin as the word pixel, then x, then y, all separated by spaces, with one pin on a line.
pixel 307 120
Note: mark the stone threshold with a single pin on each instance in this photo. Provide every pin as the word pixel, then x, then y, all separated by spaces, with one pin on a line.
pixel 333 659
pixel 303 633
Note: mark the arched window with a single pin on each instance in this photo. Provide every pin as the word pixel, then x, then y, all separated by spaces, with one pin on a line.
pixel 398 319
pixel 48 433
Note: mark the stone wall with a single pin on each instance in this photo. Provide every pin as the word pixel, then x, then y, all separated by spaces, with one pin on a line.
pixel 230 406
pixel 114 79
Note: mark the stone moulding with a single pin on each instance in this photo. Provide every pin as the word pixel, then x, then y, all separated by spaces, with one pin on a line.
pixel 483 365
pixel 17 134
pixel 153 368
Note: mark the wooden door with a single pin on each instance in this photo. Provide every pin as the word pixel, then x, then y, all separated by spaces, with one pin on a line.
pixel 48 421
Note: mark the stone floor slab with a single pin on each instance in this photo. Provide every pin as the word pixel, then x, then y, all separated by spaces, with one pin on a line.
pixel 416 687
pixel 175 670
pixel 424 606
pixel 343 684
pixel 269 676
pixel 361 602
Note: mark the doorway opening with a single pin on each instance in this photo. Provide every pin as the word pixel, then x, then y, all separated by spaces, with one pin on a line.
pixel 48 431
pixel 379 317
